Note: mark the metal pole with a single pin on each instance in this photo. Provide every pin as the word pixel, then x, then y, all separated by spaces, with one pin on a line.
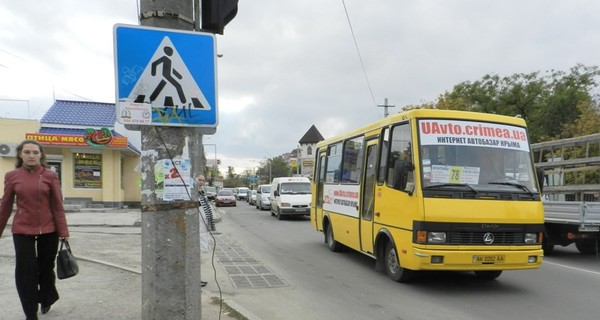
pixel 170 229
pixel 214 145
pixel 298 161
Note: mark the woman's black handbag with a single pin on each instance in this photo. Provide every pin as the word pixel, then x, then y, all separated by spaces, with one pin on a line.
pixel 66 265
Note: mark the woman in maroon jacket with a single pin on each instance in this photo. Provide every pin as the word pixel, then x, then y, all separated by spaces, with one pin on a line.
pixel 38 224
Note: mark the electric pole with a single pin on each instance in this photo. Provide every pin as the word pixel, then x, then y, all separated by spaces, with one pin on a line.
pixel 170 229
pixel 172 156
pixel 385 107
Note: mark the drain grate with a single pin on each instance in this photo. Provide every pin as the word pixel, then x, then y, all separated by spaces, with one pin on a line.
pixel 243 269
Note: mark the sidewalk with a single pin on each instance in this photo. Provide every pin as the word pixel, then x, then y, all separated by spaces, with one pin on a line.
pixel 108 247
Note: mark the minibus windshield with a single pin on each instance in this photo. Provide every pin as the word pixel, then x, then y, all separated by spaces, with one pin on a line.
pixel 455 153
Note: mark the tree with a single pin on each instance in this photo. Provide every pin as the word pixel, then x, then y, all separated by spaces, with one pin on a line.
pixel 232 180
pixel 272 168
pixel 211 174
pixel 279 168
pixel 555 105
pixel 587 123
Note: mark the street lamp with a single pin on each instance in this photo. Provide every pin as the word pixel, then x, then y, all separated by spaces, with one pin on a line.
pixel 270 179
pixel 298 160
pixel 270 159
pixel 215 165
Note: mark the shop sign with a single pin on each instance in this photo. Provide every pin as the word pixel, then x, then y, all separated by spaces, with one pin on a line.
pixel 95 138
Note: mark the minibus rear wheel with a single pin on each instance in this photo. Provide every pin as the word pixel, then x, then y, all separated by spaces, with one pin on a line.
pixel 392 265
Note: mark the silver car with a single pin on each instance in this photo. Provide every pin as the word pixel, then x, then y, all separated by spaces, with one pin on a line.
pixel 262 197
pixel 252 197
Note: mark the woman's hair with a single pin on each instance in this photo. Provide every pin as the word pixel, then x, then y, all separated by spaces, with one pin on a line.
pixel 20 148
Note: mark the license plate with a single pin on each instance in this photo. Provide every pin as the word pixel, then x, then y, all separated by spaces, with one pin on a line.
pixel 300 210
pixel 491 259
pixel 589 228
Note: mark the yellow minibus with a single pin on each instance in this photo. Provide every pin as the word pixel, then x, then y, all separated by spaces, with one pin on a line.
pixel 430 189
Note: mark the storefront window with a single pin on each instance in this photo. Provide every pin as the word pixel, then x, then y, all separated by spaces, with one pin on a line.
pixel 57 168
pixel 88 170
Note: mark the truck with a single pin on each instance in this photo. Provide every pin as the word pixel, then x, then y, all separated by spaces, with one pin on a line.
pixel 568 222
pixel 571 192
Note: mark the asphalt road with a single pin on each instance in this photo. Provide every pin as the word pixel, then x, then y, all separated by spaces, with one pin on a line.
pixel 327 285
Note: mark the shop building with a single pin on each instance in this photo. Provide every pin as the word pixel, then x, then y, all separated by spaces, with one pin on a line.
pixel 95 164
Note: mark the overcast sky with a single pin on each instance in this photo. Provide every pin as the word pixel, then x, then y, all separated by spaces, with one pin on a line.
pixel 289 64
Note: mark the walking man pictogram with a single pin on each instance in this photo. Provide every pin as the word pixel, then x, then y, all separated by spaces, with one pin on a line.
pixel 167 74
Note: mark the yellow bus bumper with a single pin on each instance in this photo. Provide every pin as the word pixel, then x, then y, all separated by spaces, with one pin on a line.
pixel 473 260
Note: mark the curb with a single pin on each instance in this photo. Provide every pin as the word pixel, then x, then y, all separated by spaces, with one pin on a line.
pixel 249 315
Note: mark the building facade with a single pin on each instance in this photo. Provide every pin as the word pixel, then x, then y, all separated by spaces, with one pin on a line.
pixel 95 164
pixel 307 149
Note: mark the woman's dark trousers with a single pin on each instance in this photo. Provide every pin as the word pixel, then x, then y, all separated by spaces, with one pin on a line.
pixel 34 271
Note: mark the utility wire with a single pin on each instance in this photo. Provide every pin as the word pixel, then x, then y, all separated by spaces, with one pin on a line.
pixel 203 220
pixel 359 55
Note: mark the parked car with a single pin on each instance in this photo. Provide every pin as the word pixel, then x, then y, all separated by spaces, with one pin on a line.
pixel 210 192
pixel 242 193
pixel 252 197
pixel 262 196
pixel 225 198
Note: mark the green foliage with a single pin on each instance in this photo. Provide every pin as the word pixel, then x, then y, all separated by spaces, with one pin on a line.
pixel 273 168
pixel 555 104
pixel 232 180
pixel 280 168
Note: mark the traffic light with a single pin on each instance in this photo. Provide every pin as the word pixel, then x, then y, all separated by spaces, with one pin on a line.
pixel 217 13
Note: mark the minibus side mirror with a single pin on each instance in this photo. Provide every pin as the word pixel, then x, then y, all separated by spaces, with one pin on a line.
pixel 540 178
pixel 401 169
pixel 276 193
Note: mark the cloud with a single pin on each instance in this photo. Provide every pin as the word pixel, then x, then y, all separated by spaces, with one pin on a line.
pixel 287 65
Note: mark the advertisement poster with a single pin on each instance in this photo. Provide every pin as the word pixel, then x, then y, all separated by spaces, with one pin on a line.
pixel 470 133
pixel 177 179
pixel 88 170
pixel 342 199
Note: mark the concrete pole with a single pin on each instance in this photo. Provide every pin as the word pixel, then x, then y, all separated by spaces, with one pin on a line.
pixel 170 229
pixel 385 107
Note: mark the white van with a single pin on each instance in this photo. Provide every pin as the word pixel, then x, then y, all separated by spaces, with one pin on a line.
pixel 242 193
pixel 290 196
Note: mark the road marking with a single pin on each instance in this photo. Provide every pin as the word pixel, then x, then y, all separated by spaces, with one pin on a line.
pixel 572 268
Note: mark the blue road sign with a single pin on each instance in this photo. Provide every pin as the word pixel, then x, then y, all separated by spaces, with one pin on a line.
pixel 165 77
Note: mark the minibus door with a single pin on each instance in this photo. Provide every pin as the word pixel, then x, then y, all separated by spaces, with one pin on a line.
pixel 319 181
pixel 367 200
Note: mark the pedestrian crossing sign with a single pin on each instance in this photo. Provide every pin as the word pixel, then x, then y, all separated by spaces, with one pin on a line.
pixel 165 77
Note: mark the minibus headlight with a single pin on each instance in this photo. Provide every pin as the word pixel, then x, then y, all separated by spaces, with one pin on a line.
pixel 436 237
pixel 531 238
pixel 285 205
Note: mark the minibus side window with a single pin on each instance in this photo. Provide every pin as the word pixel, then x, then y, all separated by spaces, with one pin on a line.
pixel 352 161
pixel 334 163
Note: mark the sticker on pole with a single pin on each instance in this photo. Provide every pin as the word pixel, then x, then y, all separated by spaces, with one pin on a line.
pixel 165 77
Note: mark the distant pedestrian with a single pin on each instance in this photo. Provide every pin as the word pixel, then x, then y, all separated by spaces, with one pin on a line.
pixel 206 241
pixel 205 238
pixel 37 226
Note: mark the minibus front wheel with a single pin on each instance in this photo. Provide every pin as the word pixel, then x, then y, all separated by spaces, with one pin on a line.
pixel 488 275
pixel 392 265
